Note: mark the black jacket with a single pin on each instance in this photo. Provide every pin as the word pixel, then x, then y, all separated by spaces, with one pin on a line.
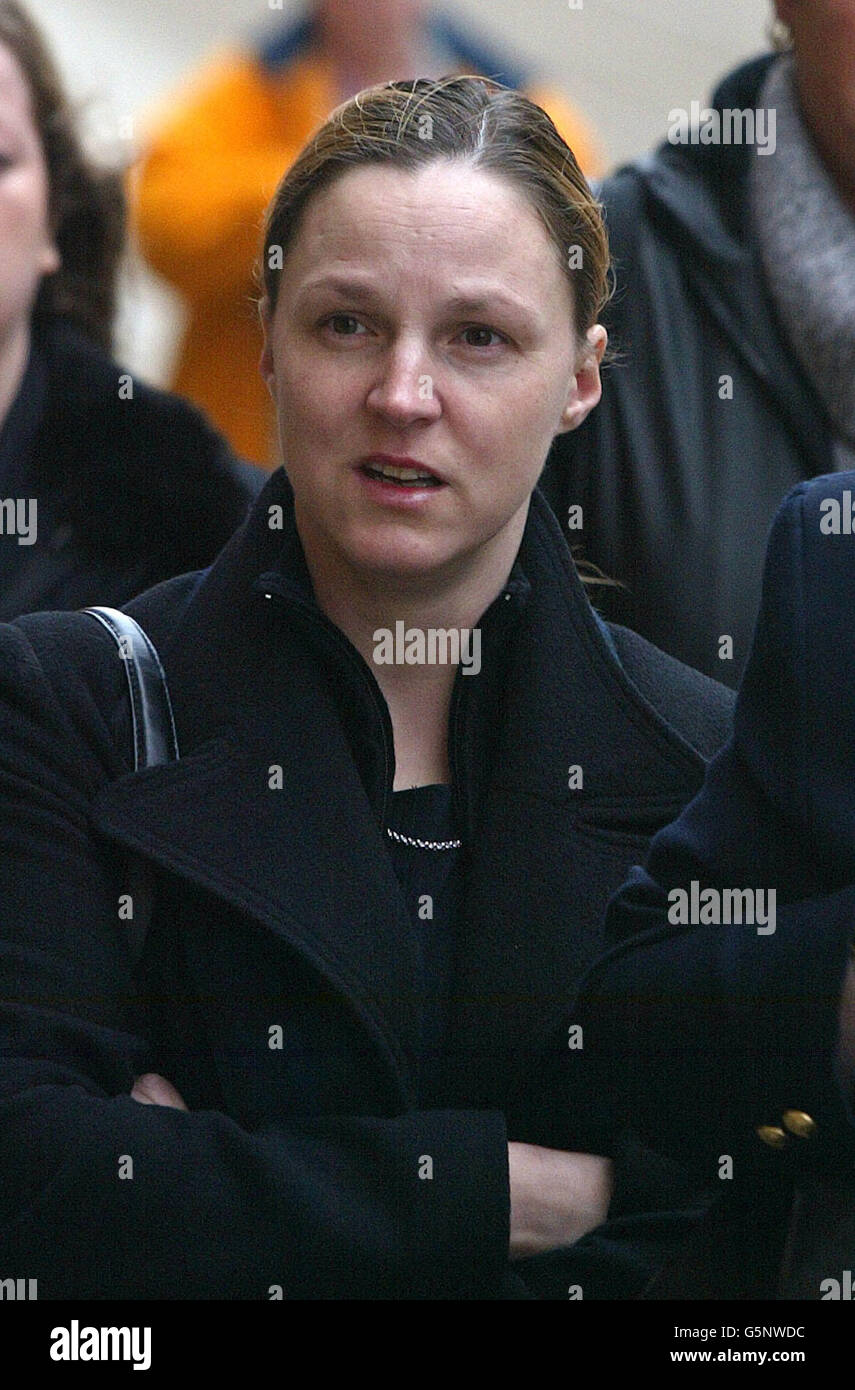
pixel 298 1165
pixel 132 484
pixel 747 1019
pixel 678 485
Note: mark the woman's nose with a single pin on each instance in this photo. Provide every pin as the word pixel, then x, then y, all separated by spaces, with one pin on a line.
pixel 404 388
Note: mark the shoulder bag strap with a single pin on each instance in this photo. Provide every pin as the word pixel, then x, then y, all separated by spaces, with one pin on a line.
pixel 154 737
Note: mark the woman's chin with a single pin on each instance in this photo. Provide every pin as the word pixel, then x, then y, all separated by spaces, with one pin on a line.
pixel 405 560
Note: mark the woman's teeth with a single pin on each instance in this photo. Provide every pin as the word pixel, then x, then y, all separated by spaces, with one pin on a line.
pixel 407 477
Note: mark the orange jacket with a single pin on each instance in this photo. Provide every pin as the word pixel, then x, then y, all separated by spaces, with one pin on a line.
pixel 209 170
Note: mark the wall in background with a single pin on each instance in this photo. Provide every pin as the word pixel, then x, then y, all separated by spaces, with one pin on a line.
pixel 625 62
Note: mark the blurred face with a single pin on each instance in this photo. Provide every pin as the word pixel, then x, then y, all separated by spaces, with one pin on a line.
pixel 27 251
pixel 422 356
pixel 824 41
pixel 367 22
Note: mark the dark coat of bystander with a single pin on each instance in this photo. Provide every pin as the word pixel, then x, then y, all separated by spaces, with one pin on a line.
pixel 707 418
pixel 107 485
pixel 708 1004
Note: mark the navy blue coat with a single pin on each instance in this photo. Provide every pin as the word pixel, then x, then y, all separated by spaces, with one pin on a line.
pixel 712 1036
pixel 298 1164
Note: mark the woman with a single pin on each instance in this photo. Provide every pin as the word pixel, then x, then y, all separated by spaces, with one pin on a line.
pixel 107 485
pixel 378 869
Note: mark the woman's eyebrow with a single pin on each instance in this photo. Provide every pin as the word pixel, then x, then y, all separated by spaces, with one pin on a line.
pixel 489 300
pixel 350 289
pixel 476 302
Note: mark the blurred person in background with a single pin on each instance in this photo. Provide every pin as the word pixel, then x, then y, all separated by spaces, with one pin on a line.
pixel 108 486
pixel 217 152
pixel 734 326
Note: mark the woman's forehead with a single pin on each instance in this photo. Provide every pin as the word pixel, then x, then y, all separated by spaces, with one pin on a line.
pixel 433 189
pixel 439 215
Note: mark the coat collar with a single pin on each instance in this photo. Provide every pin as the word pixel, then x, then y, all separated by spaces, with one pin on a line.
pixel 361 706
pixel 308 862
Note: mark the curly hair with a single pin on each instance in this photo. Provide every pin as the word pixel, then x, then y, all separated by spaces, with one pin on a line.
pixel 86 205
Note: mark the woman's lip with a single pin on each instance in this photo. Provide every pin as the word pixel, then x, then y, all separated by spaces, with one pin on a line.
pixel 397 461
pixel 393 494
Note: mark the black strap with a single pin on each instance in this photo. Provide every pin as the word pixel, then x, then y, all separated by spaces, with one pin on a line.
pixel 154 736
pixel 155 739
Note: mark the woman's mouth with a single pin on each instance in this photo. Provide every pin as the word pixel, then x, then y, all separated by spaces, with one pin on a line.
pixel 412 479
pixel 398 481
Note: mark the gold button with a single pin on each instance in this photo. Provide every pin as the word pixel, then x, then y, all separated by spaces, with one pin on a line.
pixel 797 1122
pixel 772 1135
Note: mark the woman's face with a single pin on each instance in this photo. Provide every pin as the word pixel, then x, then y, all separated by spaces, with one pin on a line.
pixel 422 315
pixel 27 250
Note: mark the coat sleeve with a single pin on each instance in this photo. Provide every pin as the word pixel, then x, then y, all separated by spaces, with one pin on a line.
pixel 103 1197
pixel 718 1033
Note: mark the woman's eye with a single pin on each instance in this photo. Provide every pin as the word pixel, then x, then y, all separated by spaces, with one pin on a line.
pixel 477 335
pixel 485 332
pixel 340 319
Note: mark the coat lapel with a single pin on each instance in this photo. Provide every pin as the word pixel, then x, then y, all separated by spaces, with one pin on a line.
pixel 266 808
pixel 546 855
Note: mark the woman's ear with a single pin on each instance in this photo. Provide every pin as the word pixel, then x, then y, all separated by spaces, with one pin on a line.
pixel 585 388
pixel 265 365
